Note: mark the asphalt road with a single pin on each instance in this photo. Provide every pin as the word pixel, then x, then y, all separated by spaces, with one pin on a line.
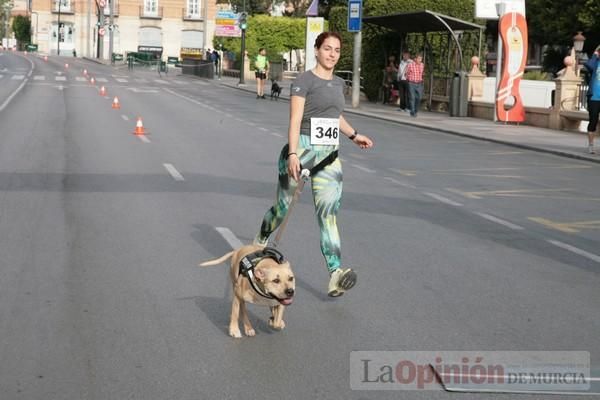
pixel 459 244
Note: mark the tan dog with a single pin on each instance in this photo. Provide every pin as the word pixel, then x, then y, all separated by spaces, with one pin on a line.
pixel 273 279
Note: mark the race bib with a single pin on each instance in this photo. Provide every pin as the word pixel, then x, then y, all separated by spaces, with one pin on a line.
pixel 325 131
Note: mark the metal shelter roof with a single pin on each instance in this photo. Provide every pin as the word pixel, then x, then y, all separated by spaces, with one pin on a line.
pixel 421 21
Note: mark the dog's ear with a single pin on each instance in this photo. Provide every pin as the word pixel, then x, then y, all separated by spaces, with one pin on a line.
pixel 259 273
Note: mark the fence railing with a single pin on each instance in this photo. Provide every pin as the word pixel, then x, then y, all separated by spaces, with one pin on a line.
pixel 581 103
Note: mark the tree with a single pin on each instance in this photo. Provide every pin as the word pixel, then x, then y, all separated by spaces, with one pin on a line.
pixel 22 28
pixel 276 34
pixel 555 23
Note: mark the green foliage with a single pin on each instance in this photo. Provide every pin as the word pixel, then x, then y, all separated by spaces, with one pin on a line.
pixel 535 76
pixel 22 28
pixel 555 23
pixel 276 34
pixel 379 43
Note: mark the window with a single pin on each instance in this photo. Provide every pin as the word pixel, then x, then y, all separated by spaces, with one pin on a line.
pixel 150 7
pixel 193 8
pixel 65 5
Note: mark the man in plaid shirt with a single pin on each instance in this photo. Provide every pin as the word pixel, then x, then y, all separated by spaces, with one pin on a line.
pixel 414 76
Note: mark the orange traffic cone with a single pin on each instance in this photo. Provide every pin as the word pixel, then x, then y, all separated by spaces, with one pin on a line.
pixel 139 127
pixel 102 91
pixel 115 103
pixel 92 81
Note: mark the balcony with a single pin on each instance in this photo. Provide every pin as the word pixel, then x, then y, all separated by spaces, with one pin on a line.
pixel 154 14
pixel 186 15
pixel 66 7
pixel 115 10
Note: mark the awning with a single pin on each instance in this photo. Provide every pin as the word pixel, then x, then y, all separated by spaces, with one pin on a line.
pixel 421 22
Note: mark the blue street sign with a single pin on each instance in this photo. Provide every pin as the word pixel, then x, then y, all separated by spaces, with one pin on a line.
pixel 354 15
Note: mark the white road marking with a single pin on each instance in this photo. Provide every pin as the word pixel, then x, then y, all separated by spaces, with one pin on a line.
pixel 397 182
pixel 263 129
pixel 443 199
pixel 39 78
pixel 141 80
pixel 101 80
pixel 1 76
pixel 17 77
pixel 121 80
pixel 125 117
pixel 233 241
pixel 500 221
pixel 161 81
pixel 276 134
pixel 173 172
pixel 251 123
pixel 80 79
pixel 145 139
pixel 576 250
pixel 60 78
pixel 365 169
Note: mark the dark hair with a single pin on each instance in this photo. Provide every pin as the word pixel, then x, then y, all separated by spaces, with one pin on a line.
pixel 261 49
pixel 324 35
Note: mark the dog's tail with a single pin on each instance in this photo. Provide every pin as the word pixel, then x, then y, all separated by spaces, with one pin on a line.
pixel 217 260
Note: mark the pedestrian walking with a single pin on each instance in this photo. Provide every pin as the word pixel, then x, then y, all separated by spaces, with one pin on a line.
pixel 593 95
pixel 403 90
pixel 414 76
pixel 316 124
pixel 261 66
pixel 216 59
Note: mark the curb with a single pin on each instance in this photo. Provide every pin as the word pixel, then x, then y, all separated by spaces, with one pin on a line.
pixel 453 132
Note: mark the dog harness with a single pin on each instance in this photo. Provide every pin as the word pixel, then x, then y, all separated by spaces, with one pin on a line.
pixel 250 261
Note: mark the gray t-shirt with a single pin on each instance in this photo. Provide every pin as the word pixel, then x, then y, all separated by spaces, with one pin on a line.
pixel 324 98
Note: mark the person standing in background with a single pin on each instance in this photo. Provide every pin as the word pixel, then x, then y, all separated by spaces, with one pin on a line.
pixel 403 90
pixel 414 76
pixel 261 66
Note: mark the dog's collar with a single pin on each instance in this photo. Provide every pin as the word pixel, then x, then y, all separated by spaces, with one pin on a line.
pixel 250 261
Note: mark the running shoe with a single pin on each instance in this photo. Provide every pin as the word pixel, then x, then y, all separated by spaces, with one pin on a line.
pixel 341 279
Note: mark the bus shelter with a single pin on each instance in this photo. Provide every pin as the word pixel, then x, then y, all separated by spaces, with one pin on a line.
pixel 446 43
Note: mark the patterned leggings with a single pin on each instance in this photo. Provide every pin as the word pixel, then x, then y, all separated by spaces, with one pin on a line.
pixel 327 193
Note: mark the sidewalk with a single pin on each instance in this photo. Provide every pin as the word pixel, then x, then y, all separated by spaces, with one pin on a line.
pixel 562 143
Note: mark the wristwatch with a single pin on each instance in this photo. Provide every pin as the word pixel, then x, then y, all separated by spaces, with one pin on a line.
pixel 354 135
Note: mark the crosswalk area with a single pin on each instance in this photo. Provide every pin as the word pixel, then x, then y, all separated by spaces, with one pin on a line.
pixel 115 79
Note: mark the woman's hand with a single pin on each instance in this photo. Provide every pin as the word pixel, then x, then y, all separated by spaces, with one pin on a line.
pixel 362 141
pixel 294 166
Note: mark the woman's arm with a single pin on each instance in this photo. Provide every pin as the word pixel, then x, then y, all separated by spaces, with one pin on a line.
pixel 296 112
pixel 362 141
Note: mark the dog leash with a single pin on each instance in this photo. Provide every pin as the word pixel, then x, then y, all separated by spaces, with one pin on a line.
pixel 304 176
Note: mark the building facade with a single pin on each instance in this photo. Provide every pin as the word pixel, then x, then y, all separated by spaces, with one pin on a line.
pixel 83 27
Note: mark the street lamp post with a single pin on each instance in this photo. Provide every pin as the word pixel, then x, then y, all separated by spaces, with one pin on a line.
pixel 578 41
pixel 58 30
pixel 243 25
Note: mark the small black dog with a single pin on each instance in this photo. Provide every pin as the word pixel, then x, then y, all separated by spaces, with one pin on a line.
pixel 275 90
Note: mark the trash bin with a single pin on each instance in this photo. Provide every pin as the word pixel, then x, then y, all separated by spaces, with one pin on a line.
pixel 459 97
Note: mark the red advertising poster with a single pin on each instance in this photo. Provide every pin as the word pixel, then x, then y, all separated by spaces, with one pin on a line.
pixel 513 31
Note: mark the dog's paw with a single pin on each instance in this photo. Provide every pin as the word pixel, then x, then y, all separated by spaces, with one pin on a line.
pixel 235 333
pixel 250 332
pixel 278 327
